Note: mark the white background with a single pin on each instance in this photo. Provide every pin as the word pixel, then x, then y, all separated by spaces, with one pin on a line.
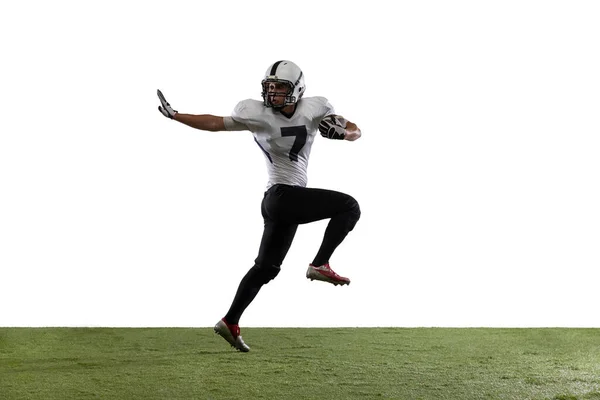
pixel 477 173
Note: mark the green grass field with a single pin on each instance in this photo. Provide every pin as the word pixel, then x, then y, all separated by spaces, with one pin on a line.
pixel 354 363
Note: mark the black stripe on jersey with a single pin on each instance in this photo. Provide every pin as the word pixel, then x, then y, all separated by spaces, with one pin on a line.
pixel 264 151
pixel 274 68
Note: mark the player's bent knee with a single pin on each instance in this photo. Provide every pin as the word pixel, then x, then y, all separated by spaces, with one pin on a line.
pixel 266 272
pixel 354 211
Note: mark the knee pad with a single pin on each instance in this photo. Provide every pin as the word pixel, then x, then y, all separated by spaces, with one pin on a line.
pixel 265 272
pixel 356 210
pixel 354 214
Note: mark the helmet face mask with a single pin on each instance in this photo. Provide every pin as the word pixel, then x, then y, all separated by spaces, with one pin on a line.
pixel 282 85
pixel 277 93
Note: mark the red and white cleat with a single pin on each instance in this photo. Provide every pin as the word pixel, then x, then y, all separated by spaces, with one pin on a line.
pixel 231 333
pixel 326 274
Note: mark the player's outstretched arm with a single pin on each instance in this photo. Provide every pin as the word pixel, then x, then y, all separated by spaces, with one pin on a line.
pixel 205 122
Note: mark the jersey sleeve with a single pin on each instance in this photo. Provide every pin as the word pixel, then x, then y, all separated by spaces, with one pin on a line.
pixel 325 108
pixel 242 115
pixel 232 125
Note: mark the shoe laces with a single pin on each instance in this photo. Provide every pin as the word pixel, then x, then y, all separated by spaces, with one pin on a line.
pixel 324 266
pixel 332 272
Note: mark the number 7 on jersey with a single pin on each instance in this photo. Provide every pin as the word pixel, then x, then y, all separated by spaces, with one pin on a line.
pixel 301 134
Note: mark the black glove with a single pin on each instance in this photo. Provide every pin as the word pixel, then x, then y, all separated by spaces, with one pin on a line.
pixel 333 127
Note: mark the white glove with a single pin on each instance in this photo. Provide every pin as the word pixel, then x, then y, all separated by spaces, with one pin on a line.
pixel 166 108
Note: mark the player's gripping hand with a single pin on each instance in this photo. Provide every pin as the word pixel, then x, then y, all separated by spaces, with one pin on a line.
pixel 166 108
pixel 333 127
pixel 338 127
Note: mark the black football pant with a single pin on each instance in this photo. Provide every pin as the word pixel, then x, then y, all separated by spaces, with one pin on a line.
pixel 283 208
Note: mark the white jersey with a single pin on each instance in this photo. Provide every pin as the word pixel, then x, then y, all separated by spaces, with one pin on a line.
pixel 285 142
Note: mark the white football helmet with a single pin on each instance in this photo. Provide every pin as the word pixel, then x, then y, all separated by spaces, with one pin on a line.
pixel 288 73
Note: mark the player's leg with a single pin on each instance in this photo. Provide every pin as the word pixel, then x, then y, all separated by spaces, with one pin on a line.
pixel 274 246
pixel 341 223
pixel 276 241
pixel 338 228
pixel 304 205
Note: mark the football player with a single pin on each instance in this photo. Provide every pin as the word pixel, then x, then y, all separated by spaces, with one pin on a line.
pixel 284 125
